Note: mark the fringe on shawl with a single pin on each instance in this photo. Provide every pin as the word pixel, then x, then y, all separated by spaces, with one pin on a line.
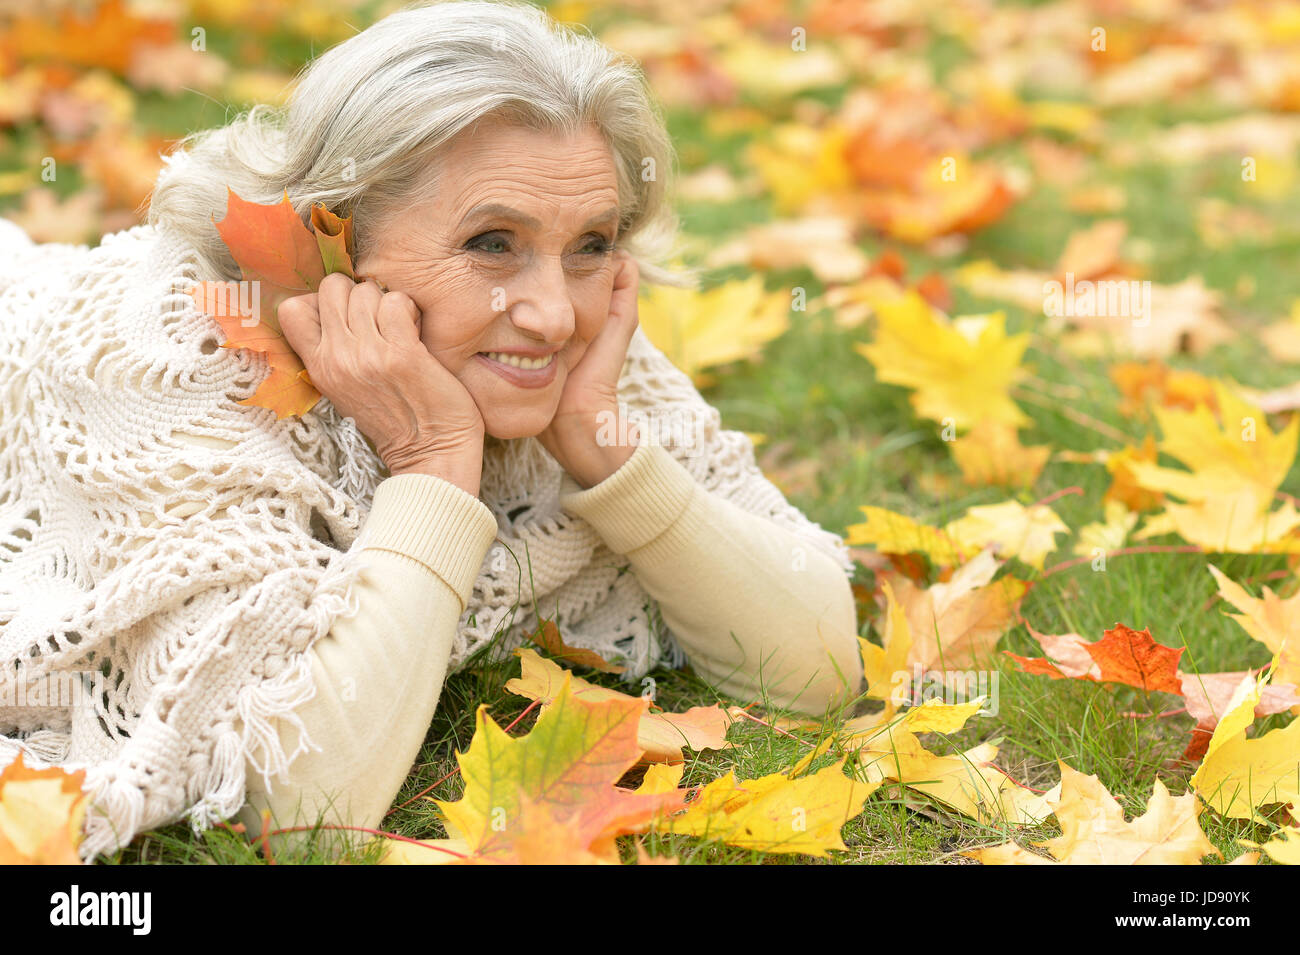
pixel 266 701
pixel 117 806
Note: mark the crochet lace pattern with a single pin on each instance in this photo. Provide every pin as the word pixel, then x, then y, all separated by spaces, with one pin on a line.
pixel 169 630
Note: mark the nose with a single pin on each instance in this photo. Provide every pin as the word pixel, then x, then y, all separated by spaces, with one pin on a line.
pixel 542 305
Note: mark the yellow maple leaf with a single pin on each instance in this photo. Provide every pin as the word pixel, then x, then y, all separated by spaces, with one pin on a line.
pixel 41 815
pixel 970 784
pixel 698 330
pixel 1124 489
pixel 551 795
pixel 967 782
pixel 892 533
pixel 1236 464
pixel 775 71
pixel 776 813
pixel 1231 523
pixel 1223 456
pixel 991 454
pixel 956 624
pixel 1028 533
pixel 798 163
pixel 959 370
pixel 1239 774
pixel 882 664
pixel 1106 535
pixel 1283 848
pixel 1271 620
pixel 1282 339
pixel 660 735
pixel 1094 831
pixel 938 716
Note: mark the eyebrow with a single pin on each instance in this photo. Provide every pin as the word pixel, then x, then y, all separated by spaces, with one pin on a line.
pixel 497 210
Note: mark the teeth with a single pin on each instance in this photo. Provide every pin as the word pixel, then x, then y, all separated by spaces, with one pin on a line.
pixel 519 361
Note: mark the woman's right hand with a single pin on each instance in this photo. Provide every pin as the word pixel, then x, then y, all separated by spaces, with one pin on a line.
pixel 362 349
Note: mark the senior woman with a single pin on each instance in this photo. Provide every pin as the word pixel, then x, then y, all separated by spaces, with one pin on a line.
pixel 279 600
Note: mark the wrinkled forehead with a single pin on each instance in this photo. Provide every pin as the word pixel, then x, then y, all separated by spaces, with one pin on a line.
pixel 495 167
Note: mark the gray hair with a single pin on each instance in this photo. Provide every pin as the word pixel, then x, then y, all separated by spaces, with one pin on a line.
pixel 366 120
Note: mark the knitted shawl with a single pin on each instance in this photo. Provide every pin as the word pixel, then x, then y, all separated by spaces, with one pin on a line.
pixel 129 648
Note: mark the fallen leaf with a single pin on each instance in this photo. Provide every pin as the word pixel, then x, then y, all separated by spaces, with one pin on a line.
pixel 1094 831
pixel 991 454
pixel 41 815
pixel 1271 620
pixel 701 330
pixel 892 533
pixel 1103 537
pixel 823 244
pixel 1094 251
pixel 1124 489
pixel 1122 655
pixel 1283 848
pixel 1026 533
pixel 548 638
pixel 882 664
pixel 660 735
pixel 775 813
pixel 551 795
pixel 46 218
pixel 956 625
pixel 1240 774
pixel 968 782
pixel 1282 339
pixel 959 372
pixel 1208 695
pixel 1236 463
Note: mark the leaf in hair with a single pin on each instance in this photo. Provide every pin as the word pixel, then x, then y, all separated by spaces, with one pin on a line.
pixel 279 257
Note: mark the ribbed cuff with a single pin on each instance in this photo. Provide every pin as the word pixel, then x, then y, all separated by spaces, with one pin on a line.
pixel 435 522
pixel 636 503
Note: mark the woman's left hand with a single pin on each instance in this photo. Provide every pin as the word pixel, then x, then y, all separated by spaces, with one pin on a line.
pixel 589 402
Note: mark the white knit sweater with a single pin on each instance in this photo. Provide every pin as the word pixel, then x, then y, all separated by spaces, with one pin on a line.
pixel 183 627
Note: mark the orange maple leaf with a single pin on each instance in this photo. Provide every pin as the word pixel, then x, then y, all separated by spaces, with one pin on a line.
pixel 1122 655
pixel 278 258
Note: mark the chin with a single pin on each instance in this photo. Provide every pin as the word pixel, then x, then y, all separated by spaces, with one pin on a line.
pixel 515 412
pixel 508 428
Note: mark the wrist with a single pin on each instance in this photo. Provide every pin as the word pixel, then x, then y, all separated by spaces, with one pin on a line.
pixel 596 463
pixel 592 447
pixel 463 469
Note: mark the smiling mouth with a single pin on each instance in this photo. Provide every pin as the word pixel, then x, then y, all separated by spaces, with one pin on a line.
pixel 519 361
pixel 522 371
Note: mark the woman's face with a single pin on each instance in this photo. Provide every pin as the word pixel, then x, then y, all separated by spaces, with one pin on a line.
pixel 511 255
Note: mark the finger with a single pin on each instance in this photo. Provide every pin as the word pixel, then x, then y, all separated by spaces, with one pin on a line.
pixel 399 319
pixel 608 350
pixel 363 307
pixel 622 300
pixel 334 291
pixel 299 319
